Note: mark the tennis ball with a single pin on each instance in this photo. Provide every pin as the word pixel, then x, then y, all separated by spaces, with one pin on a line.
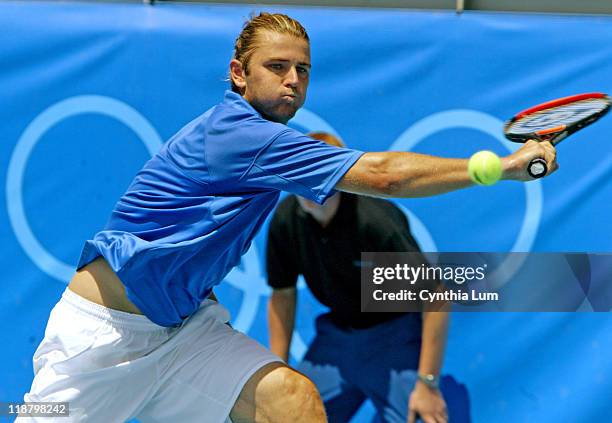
pixel 485 168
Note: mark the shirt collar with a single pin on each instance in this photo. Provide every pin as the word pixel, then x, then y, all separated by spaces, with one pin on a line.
pixel 235 100
pixel 346 209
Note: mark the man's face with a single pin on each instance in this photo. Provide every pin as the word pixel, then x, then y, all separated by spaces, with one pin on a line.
pixel 277 75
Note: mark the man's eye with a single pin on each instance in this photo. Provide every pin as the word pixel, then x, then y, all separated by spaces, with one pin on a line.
pixel 276 66
pixel 302 69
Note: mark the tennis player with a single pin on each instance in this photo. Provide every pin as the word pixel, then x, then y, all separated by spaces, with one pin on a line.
pixel 138 332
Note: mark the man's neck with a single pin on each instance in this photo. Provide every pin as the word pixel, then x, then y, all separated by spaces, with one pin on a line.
pixel 325 219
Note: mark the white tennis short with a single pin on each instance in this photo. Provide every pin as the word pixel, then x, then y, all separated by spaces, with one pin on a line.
pixel 112 366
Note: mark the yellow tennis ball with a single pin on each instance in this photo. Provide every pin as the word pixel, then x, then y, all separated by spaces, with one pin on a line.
pixel 485 168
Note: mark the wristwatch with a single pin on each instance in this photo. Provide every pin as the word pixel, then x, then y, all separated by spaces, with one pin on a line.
pixel 431 381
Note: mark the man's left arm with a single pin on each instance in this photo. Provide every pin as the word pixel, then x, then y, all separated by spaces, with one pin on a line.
pixel 426 400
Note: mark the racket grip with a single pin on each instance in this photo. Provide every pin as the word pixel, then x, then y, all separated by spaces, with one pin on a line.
pixel 537 168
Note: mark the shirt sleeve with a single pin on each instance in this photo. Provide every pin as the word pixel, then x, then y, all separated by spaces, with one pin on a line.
pixel 301 165
pixel 280 262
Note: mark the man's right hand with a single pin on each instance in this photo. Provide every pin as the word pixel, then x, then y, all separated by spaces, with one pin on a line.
pixel 515 165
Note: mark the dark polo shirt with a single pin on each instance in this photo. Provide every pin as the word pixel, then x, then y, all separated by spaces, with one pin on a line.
pixel 330 257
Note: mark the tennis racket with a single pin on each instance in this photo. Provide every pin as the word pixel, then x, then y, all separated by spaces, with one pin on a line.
pixel 554 121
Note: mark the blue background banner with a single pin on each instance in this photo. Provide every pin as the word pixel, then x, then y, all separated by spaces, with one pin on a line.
pixel 90 91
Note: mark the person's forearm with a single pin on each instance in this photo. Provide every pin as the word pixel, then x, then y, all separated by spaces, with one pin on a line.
pixel 281 320
pixel 404 174
pixel 421 175
pixel 433 342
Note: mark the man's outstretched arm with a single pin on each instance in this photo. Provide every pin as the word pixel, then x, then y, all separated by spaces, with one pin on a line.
pixel 405 174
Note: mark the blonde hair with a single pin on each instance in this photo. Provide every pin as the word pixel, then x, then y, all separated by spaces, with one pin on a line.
pixel 327 138
pixel 246 43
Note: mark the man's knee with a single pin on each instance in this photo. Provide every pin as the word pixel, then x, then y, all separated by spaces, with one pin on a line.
pixel 294 387
pixel 280 394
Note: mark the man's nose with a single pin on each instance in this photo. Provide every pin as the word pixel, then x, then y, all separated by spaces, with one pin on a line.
pixel 291 77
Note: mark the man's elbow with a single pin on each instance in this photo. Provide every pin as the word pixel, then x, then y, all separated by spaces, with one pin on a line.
pixel 370 176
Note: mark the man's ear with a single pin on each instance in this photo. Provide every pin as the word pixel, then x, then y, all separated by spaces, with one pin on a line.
pixel 237 74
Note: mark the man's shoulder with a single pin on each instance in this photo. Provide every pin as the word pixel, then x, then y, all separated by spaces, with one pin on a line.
pixel 235 114
pixel 234 136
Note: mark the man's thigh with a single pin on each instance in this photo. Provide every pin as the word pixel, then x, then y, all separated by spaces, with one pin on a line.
pixel 324 363
pixel 391 399
pixel 385 359
pixel 202 374
pixel 91 362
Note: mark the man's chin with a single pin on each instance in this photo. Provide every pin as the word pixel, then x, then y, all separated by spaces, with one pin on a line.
pixel 284 115
pixel 291 115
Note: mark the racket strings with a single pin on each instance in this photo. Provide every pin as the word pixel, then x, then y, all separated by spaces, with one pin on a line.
pixel 566 114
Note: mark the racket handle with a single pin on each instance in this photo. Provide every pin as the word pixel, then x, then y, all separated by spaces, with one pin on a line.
pixel 537 168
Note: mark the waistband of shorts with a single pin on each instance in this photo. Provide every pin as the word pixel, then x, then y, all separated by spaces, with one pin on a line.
pixel 114 317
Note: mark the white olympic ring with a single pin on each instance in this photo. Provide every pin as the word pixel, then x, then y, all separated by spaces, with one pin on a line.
pixel 72 106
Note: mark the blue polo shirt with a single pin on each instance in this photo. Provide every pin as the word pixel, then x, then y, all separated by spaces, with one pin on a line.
pixel 193 210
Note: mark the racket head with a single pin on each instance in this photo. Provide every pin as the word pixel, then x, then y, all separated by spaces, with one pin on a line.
pixel 555 120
